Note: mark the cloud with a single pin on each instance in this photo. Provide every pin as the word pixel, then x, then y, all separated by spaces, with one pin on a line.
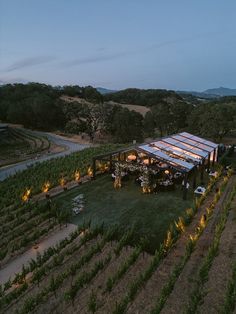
pixel 112 56
pixel 29 62
pixel 95 59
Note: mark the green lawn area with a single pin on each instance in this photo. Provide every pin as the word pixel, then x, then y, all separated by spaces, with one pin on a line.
pixel 151 213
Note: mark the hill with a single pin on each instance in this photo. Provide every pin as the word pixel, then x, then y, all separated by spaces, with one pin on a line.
pixel 143 97
pixel 221 91
pixel 212 93
pixel 105 91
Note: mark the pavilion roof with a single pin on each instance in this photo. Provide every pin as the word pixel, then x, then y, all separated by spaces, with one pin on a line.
pixel 182 151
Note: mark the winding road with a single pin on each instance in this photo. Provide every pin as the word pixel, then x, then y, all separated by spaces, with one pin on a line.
pixel 70 147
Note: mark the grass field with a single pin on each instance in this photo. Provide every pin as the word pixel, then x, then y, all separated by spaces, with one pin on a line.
pixel 150 213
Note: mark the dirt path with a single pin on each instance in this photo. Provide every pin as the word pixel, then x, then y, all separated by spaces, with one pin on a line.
pixel 15 265
pixel 68 260
pixel 146 298
pixel 220 272
pixel 177 301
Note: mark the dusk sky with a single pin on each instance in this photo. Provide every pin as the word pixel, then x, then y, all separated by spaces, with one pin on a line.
pixel 184 44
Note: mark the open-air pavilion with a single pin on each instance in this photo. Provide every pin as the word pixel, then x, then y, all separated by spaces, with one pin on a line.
pixel 163 162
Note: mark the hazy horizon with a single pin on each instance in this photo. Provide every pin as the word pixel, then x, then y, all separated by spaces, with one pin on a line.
pixel 156 44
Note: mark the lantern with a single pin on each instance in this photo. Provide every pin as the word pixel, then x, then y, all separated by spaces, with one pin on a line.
pixel 167 172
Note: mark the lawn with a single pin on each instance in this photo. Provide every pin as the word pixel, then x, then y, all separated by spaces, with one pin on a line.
pixel 151 213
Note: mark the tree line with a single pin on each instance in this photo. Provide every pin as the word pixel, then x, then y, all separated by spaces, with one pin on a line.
pixel 40 106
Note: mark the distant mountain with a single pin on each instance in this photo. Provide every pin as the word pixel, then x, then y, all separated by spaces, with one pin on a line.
pixel 210 93
pixel 200 95
pixel 221 91
pixel 105 91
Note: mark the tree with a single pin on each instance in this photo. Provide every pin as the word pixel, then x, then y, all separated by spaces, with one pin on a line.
pixel 212 120
pixel 149 124
pixel 127 126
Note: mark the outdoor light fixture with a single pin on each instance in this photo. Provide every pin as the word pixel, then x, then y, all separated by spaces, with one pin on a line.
pixel 90 172
pixel 167 172
pixel 62 182
pixel 46 187
pixel 77 175
pixel 26 195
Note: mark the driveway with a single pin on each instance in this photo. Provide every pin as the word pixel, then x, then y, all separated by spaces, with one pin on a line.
pixel 70 147
pixel 15 266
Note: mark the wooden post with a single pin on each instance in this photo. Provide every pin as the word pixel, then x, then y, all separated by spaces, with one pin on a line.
pixel 202 171
pixel 94 169
pixel 214 156
pixel 208 162
pixel 194 178
pixel 185 186
pixel 118 156
pixel 110 163
pixel 149 161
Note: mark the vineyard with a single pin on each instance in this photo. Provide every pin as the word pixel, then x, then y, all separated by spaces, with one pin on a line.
pixel 104 270
pixel 25 223
pixel 51 171
pixel 19 145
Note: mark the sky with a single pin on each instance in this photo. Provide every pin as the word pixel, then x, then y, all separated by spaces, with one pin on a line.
pixel 117 44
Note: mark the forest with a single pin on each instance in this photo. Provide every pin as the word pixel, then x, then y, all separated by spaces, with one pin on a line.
pixel 41 106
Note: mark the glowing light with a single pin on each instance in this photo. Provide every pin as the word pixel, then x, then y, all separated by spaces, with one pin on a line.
pixel 193 238
pixel 62 182
pixel 146 161
pixel 168 241
pixel 202 223
pixel 146 189
pixel 46 187
pixel 26 195
pixel 180 225
pixel 167 171
pixel 131 157
pixel 77 175
pixel 117 183
pixel 90 172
